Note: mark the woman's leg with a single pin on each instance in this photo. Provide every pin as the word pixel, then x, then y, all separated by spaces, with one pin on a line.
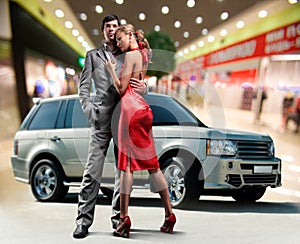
pixel 126 181
pixel 159 184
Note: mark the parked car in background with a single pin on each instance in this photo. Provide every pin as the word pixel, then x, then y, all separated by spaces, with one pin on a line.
pixel 51 146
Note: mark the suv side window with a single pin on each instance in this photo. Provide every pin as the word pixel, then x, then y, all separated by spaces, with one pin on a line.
pixel 45 116
pixel 75 118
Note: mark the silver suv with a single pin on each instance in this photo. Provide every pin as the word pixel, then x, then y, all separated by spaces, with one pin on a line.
pixel 51 146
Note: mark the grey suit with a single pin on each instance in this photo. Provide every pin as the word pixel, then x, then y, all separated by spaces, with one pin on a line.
pixel 99 112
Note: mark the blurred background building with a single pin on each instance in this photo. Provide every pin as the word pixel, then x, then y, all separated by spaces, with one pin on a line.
pixel 246 51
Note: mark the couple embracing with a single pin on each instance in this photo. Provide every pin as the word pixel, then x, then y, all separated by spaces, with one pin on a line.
pixel 119 78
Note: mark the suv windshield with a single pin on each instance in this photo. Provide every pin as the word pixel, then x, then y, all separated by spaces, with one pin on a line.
pixel 167 111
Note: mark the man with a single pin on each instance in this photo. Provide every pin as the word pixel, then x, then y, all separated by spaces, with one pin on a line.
pixel 99 113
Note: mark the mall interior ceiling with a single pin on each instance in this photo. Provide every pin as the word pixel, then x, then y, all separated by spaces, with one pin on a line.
pixel 205 12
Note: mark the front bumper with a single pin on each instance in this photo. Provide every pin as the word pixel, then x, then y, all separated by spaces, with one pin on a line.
pixel 229 173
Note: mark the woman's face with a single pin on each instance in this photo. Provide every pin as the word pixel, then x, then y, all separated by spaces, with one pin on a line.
pixel 123 40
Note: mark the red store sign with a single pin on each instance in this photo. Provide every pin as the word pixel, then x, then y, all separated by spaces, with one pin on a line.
pixel 282 40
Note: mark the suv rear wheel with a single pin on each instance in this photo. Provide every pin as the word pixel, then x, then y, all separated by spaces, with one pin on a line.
pixel 47 182
pixel 184 184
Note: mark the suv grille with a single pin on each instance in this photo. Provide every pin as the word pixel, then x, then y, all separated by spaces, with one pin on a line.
pixel 253 149
pixel 236 180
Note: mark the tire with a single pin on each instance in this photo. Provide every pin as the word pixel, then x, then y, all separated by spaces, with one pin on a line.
pixel 248 195
pixel 47 182
pixel 184 185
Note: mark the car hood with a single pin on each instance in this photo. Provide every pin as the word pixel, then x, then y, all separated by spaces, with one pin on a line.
pixel 206 133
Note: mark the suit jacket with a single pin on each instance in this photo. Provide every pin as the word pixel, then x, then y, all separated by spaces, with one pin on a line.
pixel 99 111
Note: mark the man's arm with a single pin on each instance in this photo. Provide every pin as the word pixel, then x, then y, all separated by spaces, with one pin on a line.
pixel 139 85
pixel 85 86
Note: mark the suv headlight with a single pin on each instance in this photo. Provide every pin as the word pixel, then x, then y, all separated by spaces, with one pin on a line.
pixel 272 149
pixel 221 147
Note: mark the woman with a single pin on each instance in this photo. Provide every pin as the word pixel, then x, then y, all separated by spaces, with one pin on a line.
pixel 135 139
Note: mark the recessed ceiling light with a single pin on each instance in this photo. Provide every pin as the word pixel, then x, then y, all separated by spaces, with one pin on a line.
pixel 223 32
pixel 204 31
pixel 99 9
pixel 123 21
pixel 59 13
pixel 262 13
pixel 186 34
pixel 119 1
pixel 190 3
pixel 165 9
pixel 293 1
pixel 177 44
pixel 180 54
pixel 80 38
pixel 201 43
pixel 192 47
pixel 142 16
pixel 211 39
pixel 186 51
pixel 83 16
pixel 96 32
pixel 240 24
pixel 177 24
pixel 47 1
pixel 199 20
pixel 157 28
pixel 224 15
pixel 75 32
pixel 68 24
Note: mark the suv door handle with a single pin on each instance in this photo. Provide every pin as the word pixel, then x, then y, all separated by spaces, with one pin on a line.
pixel 55 138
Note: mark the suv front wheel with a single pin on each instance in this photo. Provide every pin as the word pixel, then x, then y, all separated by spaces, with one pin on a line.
pixel 184 184
pixel 47 182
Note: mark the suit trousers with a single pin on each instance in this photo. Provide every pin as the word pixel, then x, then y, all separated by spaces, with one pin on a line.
pixel 91 181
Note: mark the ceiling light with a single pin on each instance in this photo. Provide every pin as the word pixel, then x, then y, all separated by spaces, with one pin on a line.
pixel 165 9
pixel 199 20
pixel 186 34
pixel 59 13
pixel 186 51
pixel 84 44
pixel 192 47
pixel 287 57
pixel 223 32
pixel 75 32
pixel 123 21
pixel 190 3
pixel 99 9
pixel 47 1
pixel 119 1
pixel 224 15
pixel 262 13
pixel 96 32
pixel 211 39
pixel 157 28
pixel 177 44
pixel 177 24
pixel 142 16
pixel 293 1
pixel 83 16
pixel 180 54
pixel 68 24
pixel 240 24
pixel 80 39
pixel 201 43
pixel 204 31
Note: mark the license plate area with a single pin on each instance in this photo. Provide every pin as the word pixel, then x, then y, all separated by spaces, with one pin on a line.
pixel 262 169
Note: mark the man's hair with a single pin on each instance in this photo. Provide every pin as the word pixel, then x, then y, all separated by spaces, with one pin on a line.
pixel 109 18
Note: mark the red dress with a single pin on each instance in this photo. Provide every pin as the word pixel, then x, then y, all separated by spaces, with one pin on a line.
pixel 135 140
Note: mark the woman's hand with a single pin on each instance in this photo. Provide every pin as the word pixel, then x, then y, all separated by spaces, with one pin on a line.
pixel 110 65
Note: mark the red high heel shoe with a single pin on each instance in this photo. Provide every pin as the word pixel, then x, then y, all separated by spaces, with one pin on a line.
pixel 123 229
pixel 169 224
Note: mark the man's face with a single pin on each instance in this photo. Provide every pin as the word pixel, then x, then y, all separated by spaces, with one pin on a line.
pixel 109 30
